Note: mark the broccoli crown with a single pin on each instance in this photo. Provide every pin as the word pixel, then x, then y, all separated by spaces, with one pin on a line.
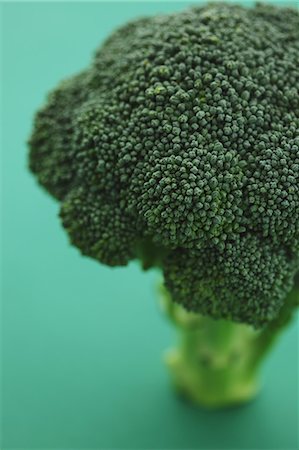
pixel 183 137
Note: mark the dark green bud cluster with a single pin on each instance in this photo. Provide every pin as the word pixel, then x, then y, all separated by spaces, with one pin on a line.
pixel 184 132
pixel 52 155
pixel 249 279
pixel 98 227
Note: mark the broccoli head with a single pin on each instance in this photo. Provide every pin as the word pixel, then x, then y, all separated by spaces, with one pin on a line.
pixel 180 145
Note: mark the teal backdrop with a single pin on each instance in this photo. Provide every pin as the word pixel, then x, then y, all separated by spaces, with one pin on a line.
pixel 82 344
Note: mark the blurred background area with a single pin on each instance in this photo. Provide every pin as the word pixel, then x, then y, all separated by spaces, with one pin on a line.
pixel 82 344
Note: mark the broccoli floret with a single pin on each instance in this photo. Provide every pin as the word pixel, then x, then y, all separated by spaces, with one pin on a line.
pixel 52 156
pixel 98 226
pixel 179 146
pixel 185 131
pixel 247 282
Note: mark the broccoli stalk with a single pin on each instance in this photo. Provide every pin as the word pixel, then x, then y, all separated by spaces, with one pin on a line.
pixel 179 146
pixel 217 363
pixel 211 365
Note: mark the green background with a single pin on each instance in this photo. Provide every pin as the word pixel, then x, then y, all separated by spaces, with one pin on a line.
pixel 82 343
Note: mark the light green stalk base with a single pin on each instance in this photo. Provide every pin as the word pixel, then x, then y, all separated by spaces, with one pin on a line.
pixel 211 365
pixel 212 388
pixel 216 363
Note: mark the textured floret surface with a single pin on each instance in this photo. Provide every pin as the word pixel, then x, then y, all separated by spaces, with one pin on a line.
pixel 184 132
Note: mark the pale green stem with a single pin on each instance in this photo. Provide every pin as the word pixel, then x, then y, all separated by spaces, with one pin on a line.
pixel 216 363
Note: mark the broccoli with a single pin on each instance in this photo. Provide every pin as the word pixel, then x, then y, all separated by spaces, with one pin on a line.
pixel 179 147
